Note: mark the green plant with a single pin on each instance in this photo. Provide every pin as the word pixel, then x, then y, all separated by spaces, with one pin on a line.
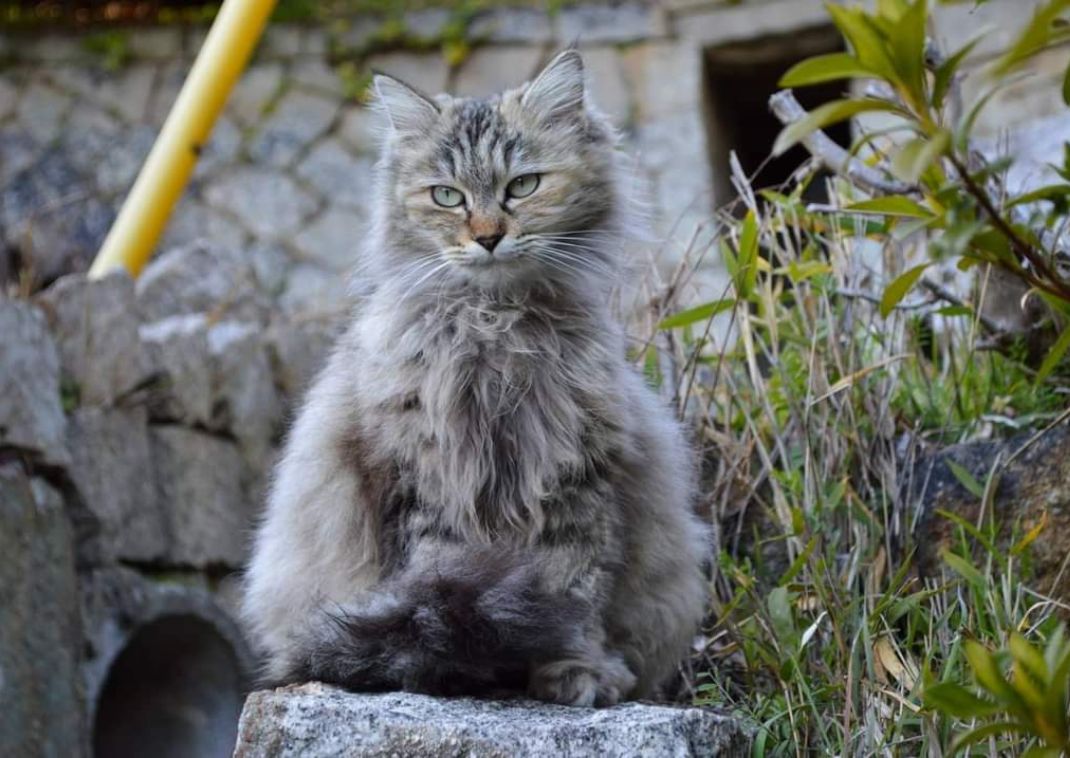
pixel 1027 699
pixel 941 188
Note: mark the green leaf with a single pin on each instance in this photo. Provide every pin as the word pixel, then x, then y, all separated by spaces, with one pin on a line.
pixel 917 155
pixel 1028 657
pixel 965 569
pixel 1037 35
pixel 983 733
pixel 1054 356
pixel 698 313
pixel 867 43
pixel 948 697
pixel 898 289
pixel 829 113
pixel 966 479
pixel 945 74
pixel 824 68
pixel 748 256
pixel 908 49
pixel 987 673
pixel 1066 86
pixel 893 205
pixel 1051 192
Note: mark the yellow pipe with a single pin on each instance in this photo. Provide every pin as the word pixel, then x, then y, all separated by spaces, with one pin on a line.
pixel 226 50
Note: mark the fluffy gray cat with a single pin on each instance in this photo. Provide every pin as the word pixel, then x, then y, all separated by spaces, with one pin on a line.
pixel 480 493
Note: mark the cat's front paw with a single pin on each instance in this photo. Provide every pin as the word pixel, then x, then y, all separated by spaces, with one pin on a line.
pixel 581 683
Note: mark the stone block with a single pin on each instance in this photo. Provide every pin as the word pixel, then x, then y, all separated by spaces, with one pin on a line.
pixel 361 128
pixel 341 177
pixel 155 43
pixel 427 72
pixel 200 278
pixel 708 25
pixel 31 413
pixel 207 495
pixel 311 290
pixel 314 720
pixel 606 84
pixel 266 202
pixel 177 349
pixel 41 110
pixel 51 214
pixel 244 400
pixel 40 636
pixel 111 466
pixel 491 69
pixel 95 325
pixel 125 91
pixel 297 120
pixel 332 240
pixel 8 96
pixel 512 25
pixel 17 151
pixel 299 349
pixel 193 222
pixel 587 23
pixel 315 74
pixel 257 88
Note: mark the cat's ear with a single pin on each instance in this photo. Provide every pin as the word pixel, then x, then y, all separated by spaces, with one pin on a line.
pixel 558 91
pixel 407 109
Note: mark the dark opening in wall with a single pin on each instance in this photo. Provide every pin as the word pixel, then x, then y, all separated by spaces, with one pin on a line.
pixel 176 690
pixel 740 77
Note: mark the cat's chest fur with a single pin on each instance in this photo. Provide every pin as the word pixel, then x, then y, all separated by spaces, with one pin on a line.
pixel 485 410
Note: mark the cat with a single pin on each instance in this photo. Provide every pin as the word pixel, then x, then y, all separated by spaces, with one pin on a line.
pixel 480 494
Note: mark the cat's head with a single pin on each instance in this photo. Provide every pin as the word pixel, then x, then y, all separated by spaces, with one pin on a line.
pixel 501 191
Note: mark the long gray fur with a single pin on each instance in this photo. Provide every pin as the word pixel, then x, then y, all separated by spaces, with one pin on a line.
pixel 479 491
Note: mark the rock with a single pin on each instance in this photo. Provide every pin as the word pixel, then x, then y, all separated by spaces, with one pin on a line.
pixel 17 151
pixel 125 91
pixel 204 490
pixel 40 635
pixel 616 23
pixel 315 720
pixel 1033 491
pixel 361 128
pixel 427 72
pixel 41 110
pixel 49 212
pixel 259 85
pixel 194 222
pixel 244 400
pixel 268 203
pixel 200 278
pixel 492 69
pixel 31 412
pixel 312 289
pixel 339 176
pixel 165 667
pixel 177 350
pixel 95 325
pixel 512 25
pixel 299 349
pixel 296 121
pixel 112 468
pixel 332 240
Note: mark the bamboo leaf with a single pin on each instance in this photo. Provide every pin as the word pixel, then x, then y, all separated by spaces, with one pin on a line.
pixel 917 155
pixel 983 733
pixel 897 290
pixel 824 68
pixel 966 479
pixel 829 113
pixel 698 313
pixel 945 74
pixel 957 700
pixel 1054 356
pixel 893 205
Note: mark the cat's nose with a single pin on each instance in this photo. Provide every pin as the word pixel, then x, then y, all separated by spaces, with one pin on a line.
pixel 490 242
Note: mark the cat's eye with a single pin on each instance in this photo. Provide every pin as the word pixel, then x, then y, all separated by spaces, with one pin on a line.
pixel 447 197
pixel 522 186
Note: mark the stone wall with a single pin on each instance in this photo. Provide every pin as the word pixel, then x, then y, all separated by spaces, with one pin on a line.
pixel 285 176
pixel 138 423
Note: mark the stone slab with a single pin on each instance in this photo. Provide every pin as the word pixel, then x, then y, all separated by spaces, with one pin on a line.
pixel 314 721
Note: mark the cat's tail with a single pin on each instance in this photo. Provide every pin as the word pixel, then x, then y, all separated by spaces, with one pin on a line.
pixel 471 624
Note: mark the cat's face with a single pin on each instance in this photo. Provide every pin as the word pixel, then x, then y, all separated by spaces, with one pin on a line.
pixel 499 191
